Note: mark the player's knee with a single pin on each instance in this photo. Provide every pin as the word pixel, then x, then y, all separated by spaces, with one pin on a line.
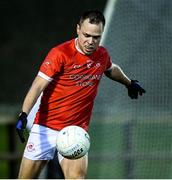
pixel 77 174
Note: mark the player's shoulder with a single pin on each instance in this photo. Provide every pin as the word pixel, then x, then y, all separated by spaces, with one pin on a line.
pixel 65 47
pixel 62 52
pixel 102 51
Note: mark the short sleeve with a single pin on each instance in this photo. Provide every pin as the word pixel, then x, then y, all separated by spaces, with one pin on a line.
pixel 109 64
pixel 51 65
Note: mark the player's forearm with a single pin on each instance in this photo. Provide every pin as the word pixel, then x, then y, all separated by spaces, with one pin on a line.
pixel 30 100
pixel 117 74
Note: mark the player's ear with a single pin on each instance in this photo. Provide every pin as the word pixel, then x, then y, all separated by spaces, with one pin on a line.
pixel 77 28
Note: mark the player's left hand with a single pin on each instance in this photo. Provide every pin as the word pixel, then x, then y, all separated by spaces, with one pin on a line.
pixel 135 89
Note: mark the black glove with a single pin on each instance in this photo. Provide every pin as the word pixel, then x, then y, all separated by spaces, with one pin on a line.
pixel 21 125
pixel 134 89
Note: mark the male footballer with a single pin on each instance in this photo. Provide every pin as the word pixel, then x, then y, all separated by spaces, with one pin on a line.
pixel 68 78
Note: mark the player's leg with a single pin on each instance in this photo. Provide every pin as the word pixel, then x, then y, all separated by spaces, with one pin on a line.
pixel 40 148
pixel 75 169
pixel 30 169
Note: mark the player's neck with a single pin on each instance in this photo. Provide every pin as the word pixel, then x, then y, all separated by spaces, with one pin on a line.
pixel 77 47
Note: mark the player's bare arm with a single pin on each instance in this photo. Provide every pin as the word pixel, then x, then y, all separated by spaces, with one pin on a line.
pixel 117 74
pixel 38 85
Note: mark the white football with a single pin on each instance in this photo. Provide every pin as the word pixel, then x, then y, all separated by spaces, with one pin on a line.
pixel 73 142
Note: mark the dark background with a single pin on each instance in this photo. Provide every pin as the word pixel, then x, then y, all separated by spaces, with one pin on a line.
pixel 29 29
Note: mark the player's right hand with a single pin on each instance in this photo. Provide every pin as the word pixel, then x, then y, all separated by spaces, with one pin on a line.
pixel 21 125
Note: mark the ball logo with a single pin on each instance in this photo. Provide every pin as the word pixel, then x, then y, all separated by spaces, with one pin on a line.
pixel 76 153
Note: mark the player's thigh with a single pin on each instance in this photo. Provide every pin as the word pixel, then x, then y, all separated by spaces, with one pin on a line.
pixel 75 169
pixel 30 169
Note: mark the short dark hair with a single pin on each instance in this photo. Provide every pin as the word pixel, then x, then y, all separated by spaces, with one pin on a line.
pixel 94 16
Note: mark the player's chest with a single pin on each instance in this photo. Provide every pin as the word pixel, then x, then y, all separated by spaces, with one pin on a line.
pixel 83 72
pixel 84 66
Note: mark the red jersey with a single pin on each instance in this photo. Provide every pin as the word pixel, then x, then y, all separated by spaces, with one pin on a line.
pixel 74 77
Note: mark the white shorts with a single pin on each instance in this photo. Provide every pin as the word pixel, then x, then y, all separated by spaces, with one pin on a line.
pixel 41 144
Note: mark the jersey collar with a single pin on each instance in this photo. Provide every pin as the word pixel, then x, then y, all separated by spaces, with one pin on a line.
pixel 77 48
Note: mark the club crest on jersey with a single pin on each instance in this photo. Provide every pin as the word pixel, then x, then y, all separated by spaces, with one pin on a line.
pixel 89 63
